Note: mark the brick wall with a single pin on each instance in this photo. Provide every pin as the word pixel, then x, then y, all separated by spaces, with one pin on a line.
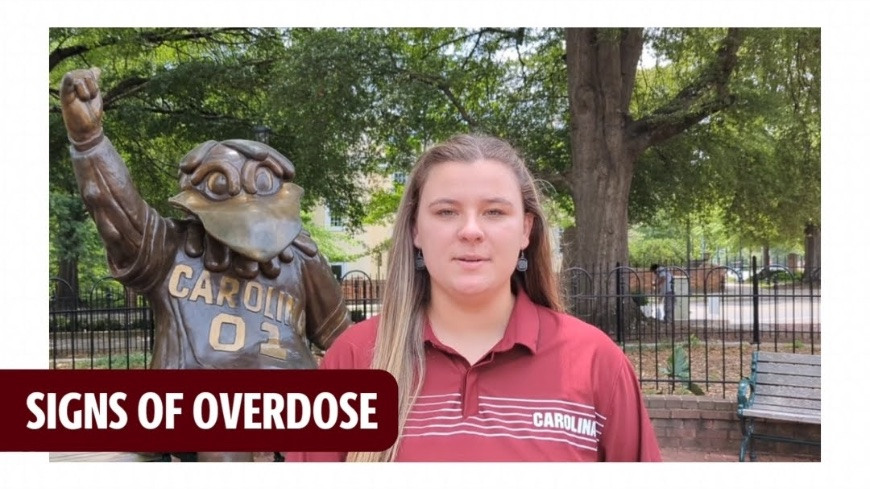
pixel 711 425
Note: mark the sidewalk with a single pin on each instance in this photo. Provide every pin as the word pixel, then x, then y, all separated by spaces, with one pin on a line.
pixel 678 455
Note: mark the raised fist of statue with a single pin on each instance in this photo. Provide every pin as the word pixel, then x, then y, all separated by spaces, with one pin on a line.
pixel 82 106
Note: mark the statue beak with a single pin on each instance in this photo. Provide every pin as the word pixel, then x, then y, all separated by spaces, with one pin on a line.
pixel 257 227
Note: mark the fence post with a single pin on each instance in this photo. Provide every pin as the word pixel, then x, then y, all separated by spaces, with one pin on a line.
pixel 755 326
pixel 619 304
pixel 75 328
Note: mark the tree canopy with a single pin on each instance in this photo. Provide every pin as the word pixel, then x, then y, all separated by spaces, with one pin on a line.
pixel 714 121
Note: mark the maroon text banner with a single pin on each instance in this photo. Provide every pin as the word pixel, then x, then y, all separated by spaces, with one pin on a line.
pixel 198 410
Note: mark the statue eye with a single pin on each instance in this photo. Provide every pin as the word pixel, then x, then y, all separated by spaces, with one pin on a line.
pixel 265 182
pixel 217 184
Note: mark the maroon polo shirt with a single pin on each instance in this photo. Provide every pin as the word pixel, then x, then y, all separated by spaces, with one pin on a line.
pixel 553 389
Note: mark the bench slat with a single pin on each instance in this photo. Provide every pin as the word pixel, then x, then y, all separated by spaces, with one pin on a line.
pixel 800 416
pixel 776 412
pixel 789 380
pixel 789 369
pixel 799 358
pixel 785 391
pixel 786 402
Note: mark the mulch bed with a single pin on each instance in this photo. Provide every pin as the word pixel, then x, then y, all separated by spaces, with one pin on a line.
pixel 716 368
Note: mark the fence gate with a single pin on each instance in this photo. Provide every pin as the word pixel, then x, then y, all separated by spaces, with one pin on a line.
pixel 361 295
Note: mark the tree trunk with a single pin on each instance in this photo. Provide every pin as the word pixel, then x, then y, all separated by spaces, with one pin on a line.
pixel 67 291
pixel 601 69
pixel 812 253
pixel 606 143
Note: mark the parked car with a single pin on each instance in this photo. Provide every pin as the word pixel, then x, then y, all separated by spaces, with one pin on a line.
pixel 774 271
pixel 738 274
pixel 764 273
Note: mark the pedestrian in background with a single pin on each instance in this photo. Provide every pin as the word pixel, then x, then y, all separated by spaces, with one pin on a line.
pixel 664 288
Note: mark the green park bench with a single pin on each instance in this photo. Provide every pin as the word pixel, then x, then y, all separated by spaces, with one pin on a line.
pixel 783 387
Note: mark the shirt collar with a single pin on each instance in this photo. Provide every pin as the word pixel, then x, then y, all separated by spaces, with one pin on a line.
pixel 522 328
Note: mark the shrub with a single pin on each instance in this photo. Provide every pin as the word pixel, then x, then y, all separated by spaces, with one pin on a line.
pixel 677 369
pixel 639 298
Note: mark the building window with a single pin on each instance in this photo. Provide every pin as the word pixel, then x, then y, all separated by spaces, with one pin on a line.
pixel 400 177
pixel 333 221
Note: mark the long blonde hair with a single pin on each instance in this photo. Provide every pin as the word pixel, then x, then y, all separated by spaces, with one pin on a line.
pixel 399 344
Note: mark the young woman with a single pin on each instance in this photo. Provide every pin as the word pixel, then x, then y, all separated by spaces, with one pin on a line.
pixel 489 367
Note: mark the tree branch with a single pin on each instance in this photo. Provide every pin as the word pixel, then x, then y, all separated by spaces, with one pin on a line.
pixel 442 85
pixel 518 35
pixel 214 116
pixel 124 88
pixel 706 95
pixel 153 37
pixel 60 54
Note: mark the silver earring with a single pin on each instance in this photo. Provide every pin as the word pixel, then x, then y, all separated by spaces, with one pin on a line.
pixel 522 262
pixel 419 264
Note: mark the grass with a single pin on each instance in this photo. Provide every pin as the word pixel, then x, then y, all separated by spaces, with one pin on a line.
pixel 118 362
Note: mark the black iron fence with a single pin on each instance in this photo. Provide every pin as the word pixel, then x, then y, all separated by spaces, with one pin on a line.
pixel 362 294
pixel 720 315
pixel 106 327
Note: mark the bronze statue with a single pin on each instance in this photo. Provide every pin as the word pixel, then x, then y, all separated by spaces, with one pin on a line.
pixel 238 284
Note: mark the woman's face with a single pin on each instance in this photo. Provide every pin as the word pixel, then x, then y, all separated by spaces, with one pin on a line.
pixel 471 227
